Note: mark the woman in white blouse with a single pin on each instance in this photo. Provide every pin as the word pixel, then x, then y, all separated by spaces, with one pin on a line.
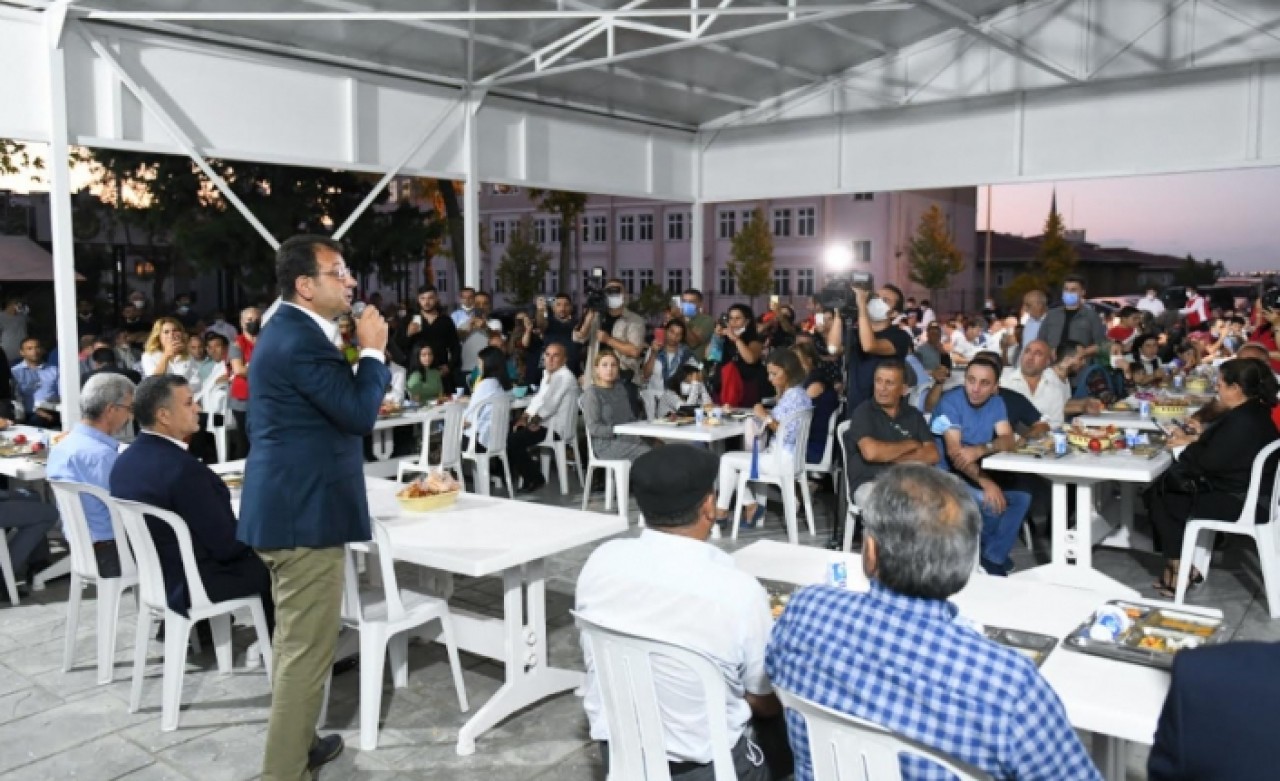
pixel 166 353
pixel 493 381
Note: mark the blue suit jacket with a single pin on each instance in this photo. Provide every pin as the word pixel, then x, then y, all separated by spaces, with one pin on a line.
pixel 158 472
pixel 304 480
pixel 1220 720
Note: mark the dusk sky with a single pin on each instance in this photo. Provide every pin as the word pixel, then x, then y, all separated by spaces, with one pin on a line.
pixel 1230 216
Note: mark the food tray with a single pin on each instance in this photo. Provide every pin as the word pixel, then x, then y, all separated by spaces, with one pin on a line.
pixel 426 504
pixel 1031 645
pixel 1157 634
pixel 779 595
pixel 673 421
pixel 9 450
pixel 233 479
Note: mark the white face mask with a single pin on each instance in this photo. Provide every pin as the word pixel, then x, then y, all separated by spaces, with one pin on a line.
pixel 739 331
pixel 615 302
pixel 686 388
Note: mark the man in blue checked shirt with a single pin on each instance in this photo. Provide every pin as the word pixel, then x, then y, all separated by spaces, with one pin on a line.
pixel 36 382
pixel 900 657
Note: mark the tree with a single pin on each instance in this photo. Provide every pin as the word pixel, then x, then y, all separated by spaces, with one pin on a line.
pixel 652 301
pixel 1199 273
pixel 932 254
pixel 16 158
pixel 524 265
pixel 569 206
pixel 1056 257
pixel 751 258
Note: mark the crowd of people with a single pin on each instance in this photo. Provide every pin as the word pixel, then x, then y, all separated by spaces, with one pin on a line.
pixel 916 441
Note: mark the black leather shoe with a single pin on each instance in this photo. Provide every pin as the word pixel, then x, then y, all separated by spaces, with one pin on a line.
pixel 324 750
pixel 532 486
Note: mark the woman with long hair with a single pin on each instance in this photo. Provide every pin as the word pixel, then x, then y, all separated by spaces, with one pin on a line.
pixel 1211 476
pixel 425 382
pixel 823 395
pixel 783 423
pixel 665 358
pixel 166 352
pixel 493 381
pixel 605 404
pixel 1146 368
pixel 740 375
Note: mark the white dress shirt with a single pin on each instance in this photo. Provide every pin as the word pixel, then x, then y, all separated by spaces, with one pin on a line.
pixel 1031 328
pixel 396 388
pixel 177 442
pixel 181 366
pixel 478 414
pixel 686 592
pixel 1050 396
pixel 962 347
pixel 551 394
pixel 330 329
pixel 1153 305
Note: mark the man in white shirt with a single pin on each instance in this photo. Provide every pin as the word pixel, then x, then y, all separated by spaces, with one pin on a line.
pixel 670 585
pixel 545 410
pixel 462 315
pixel 1152 303
pixel 1033 379
pixel 966 343
pixel 1035 305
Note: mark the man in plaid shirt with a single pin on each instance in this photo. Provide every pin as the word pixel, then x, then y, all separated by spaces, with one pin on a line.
pixel 900 657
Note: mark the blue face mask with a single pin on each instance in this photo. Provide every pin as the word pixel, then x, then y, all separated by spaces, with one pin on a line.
pixel 688 309
pixel 1070 299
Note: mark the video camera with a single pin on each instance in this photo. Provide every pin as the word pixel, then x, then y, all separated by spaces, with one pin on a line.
pixel 837 294
pixel 596 300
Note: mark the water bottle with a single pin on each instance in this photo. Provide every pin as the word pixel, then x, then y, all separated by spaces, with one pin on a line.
pixel 837 573
pixel 698 416
pixel 715 351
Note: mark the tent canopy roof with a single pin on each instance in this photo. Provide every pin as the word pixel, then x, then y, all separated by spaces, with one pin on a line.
pixel 22 260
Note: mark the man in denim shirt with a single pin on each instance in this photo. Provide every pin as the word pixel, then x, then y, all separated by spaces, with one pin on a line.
pixel 36 382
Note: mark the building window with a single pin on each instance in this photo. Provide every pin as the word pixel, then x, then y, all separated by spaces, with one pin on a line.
pixel 806 221
pixel 442 281
pixel 1001 277
pixel 675 226
pixel 675 281
pixel 540 231
pixel 804 281
pixel 499 231
pixel 782 282
pixel 554 225
pixel 628 277
pixel 627 228
pixel 646 227
pixel 782 222
pixel 585 224
pixel 747 214
pixel 862 252
pixel 727 283
pixel 553 282
pixel 646 278
pixel 728 224
pixel 864 196
pixel 599 229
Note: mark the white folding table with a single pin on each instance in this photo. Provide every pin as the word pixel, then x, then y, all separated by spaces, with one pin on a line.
pixel 1072 553
pixel 1116 701
pixel 482 536
pixel 687 433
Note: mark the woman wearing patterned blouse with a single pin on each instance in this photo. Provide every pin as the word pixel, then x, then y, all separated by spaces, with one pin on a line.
pixel 786 375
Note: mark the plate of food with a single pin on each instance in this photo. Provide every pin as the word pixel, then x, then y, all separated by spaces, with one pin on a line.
pixel 19 446
pixel 1144 634
pixel 233 480
pixel 436 491
pixel 390 410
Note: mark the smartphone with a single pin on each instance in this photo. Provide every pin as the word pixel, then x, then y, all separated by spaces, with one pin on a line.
pixel 659 335
pixel 819 319
pixel 773 302
pixel 417 319
pixel 675 302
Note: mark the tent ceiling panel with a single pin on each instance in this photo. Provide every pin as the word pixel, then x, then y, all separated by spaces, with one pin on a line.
pixel 24 102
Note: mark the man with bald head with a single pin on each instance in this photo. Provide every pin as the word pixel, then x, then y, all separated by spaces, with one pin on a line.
pixel 1035 305
pixel 1034 379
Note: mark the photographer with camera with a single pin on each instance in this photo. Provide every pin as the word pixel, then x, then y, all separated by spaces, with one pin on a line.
pixel 871 340
pixel 739 378
pixel 609 324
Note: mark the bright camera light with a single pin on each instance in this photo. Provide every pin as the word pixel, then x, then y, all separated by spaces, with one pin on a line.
pixel 838 258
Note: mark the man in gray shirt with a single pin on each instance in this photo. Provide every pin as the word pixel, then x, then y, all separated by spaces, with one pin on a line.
pixel 885 430
pixel 1074 321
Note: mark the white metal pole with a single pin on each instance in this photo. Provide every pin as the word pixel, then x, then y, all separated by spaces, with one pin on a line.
pixel 64 262
pixel 695 221
pixel 471 193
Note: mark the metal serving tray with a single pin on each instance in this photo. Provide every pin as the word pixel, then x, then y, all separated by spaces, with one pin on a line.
pixel 1157 634
pixel 1031 645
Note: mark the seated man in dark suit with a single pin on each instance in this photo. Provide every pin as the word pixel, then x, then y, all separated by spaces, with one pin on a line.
pixel 158 470
pixel 1220 721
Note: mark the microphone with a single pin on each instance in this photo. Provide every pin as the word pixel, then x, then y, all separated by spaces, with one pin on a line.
pixel 357 309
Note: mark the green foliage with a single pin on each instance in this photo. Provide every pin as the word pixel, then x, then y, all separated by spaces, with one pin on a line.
pixel 569 206
pixel 1056 257
pixel 16 158
pixel 1200 273
pixel 933 255
pixel 1020 286
pixel 751 258
pixel 651 302
pixel 524 265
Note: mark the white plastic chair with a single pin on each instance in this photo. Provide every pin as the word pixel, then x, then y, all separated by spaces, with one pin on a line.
pixel 84 572
pixel 1264 535
pixel 619 468
pixel 783 470
pixel 384 618
pixel 562 434
pixel 650 397
pixel 637 738
pixel 852 513
pixel 6 567
pixel 847 748
pixel 499 426
pixel 177 627
pixel 215 401
pixel 827 464
pixel 450 444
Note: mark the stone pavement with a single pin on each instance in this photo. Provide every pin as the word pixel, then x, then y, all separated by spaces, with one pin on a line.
pixel 56 725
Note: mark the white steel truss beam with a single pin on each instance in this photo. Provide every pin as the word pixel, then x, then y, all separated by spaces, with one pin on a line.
pixel 178 135
pixel 796 13
pixel 971 25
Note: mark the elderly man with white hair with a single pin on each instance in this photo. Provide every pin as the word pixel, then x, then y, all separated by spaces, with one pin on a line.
pixel 88 453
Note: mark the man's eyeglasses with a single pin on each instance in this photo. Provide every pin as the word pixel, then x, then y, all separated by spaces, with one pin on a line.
pixel 128 407
pixel 339 274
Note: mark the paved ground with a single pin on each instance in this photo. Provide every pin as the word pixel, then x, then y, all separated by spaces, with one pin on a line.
pixel 62 725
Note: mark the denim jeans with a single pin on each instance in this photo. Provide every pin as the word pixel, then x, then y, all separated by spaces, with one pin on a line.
pixel 1000 532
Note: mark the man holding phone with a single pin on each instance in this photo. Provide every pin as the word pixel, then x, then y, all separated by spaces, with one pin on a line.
pixel 432 327
pixel 701 326
pixel 554 318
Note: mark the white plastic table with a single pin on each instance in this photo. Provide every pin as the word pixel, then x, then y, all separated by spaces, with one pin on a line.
pixel 690 433
pixel 1117 701
pixel 384 440
pixel 1072 557
pixel 1120 420
pixel 482 536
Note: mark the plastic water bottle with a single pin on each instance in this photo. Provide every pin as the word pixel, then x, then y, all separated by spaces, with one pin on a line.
pixel 837 573
pixel 715 351
pixel 698 416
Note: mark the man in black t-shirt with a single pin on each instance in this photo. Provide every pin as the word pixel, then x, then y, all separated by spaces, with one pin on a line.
pixel 557 327
pixel 885 430
pixel 873 339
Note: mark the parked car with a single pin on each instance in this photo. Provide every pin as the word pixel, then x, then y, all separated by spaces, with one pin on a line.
pixel 1226 294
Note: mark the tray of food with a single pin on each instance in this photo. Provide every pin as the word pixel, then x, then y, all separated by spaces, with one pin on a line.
pixel 233 479
pixel 436 491
pixel 779 595
pixel 389 410
pixel 19 446
pixel 1144 634
pixel 1034 646
pixel 673 419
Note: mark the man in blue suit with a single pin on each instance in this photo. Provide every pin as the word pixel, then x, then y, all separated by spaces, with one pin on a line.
pixel 158 470
pixel 304 493
pixel 1219 721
